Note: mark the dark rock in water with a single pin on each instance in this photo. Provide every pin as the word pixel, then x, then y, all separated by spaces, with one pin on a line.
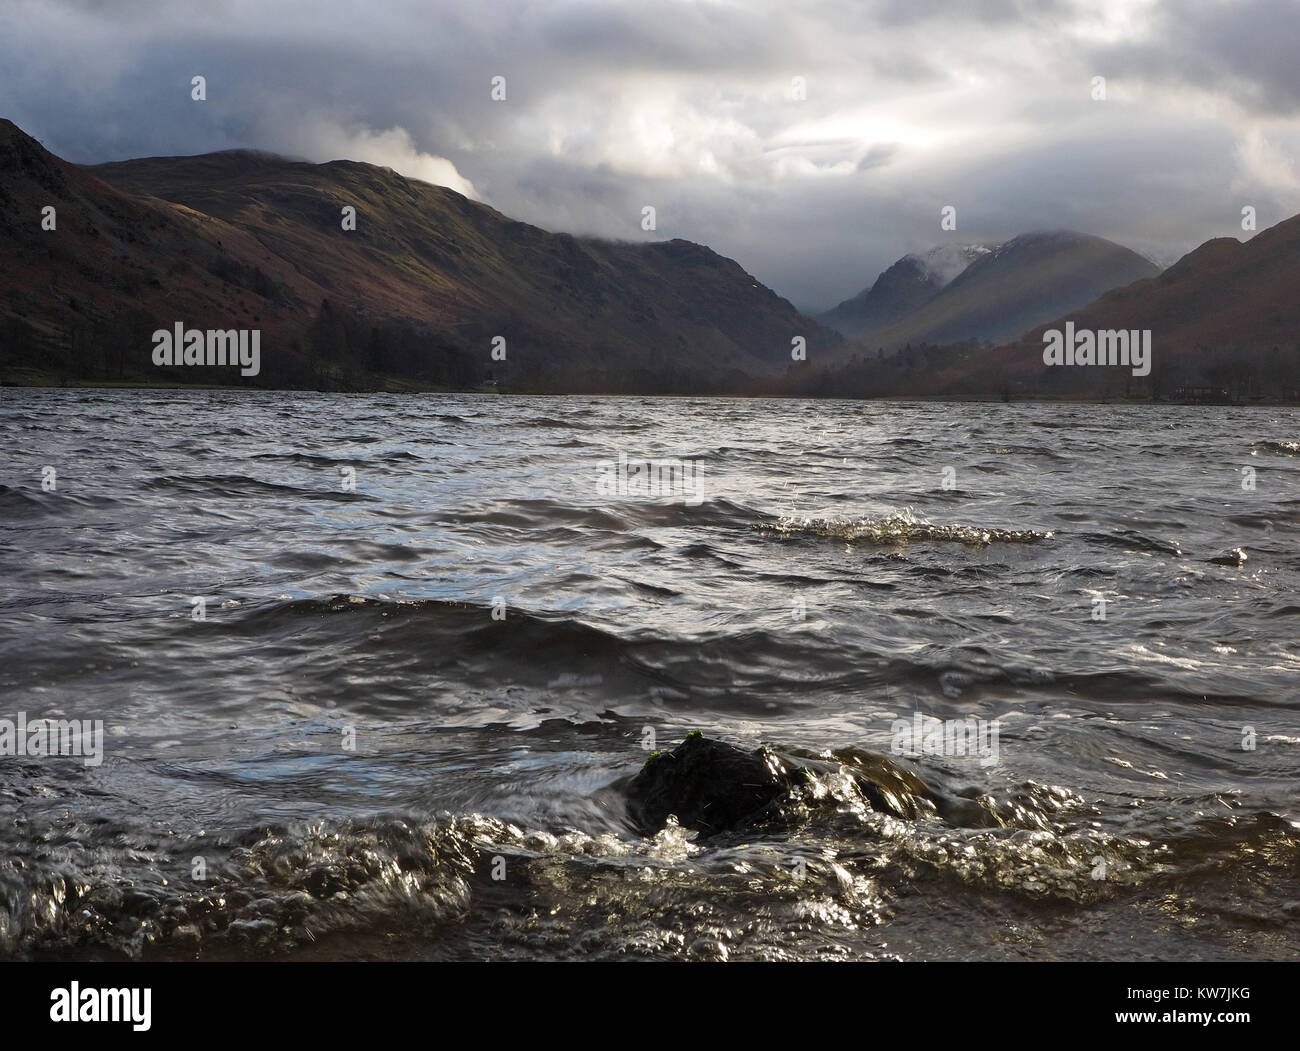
pixel 708 785
pixel 1235 557
pixel 713 787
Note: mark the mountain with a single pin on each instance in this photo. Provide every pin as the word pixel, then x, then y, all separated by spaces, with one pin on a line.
pixel 1224 324
pixel 911 282
pixel 1226 315
pixel 1017 285
pixel 415 295
pixel 80 300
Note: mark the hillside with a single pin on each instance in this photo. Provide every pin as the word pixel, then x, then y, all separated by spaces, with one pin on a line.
pixel 1226 314
pixel 81 300
pixel 416 293
pixel 902 289
pixel 1224 323
pixel 1017 285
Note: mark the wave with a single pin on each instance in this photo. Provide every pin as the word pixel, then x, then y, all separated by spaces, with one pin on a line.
pixel 269 888
pixel 23 500
pixel 900 527
pixel 618 515
pixel 1281 448
pixel 242 486
pixel 859 839
pixel 16 499
pixel 1132 540
pixel 322 460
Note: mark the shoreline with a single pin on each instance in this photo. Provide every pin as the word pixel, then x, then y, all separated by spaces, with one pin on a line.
pixel 432 389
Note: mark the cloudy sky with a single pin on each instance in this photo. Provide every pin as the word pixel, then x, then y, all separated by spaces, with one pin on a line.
pixel 693 108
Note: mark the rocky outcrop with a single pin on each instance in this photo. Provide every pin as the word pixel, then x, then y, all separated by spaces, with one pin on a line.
pixel 713 787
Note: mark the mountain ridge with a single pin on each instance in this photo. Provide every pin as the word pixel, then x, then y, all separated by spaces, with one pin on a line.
pixel 1004 290
pixel 1224 323
pixel 1014 285
pixel 418 293
pixel 1226 315
pixel 904 286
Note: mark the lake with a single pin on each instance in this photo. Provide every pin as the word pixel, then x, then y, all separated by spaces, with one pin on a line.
pixel 372 672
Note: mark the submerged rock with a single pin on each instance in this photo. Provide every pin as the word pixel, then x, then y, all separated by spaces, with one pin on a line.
pixel 714 787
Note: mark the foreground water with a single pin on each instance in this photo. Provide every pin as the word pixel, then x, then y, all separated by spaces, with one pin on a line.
pixel 434 645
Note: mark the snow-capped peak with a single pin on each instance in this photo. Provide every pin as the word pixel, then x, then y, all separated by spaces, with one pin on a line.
pixel 947 261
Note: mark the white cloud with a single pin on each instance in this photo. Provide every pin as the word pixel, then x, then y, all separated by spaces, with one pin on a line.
pixel 321 140
pixel 1265 165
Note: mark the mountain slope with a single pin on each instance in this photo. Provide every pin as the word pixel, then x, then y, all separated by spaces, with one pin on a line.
pixel 1226 314
pixel 908 284
pixel 576 313
pixel 1017 285
pixel 82 299
pixel 416 292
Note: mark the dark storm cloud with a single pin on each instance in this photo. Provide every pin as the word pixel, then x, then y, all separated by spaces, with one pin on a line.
pixel 813 142
pixel 877 156
pixel 1246 51
pixel 664 36
pixel 986 12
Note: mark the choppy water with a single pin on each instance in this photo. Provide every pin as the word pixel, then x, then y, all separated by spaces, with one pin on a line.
pixel 821 585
